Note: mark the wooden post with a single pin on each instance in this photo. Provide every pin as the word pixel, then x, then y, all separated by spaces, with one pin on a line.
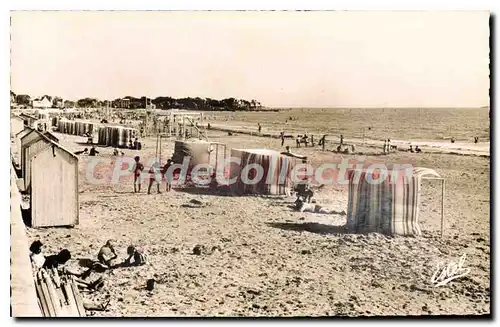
pixel 442 207
pixel 183 127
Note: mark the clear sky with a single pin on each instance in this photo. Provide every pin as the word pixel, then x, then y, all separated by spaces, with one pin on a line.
pixel 282 59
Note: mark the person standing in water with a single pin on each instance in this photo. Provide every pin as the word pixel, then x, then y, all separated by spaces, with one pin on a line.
pixel 322 142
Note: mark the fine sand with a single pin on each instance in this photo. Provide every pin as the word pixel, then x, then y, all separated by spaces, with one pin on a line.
pixel 264 259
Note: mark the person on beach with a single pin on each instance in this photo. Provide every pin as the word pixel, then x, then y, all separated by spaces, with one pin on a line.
pixel 138 168
pixel 84 151
pixel 107 253
pixel 385 146
pixel 260 128
pixel 93 151
pixel 411 149
pixel 341 139
pixel 53 261
pixel 115 151
pixel 167 175
pixel 452 140
pixel 476 139
pixel 152 179
pixel 322 142
pixel 36 256
pixel 282 137
pixel 417 149
pixel 287 148
pixel 136 254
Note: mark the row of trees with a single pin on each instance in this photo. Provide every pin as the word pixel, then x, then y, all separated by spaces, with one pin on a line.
pixel 192 103
pixel 161 102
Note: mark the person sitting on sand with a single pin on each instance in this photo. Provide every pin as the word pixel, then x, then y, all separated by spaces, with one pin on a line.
pixel 417 149
pixel 36 256
pixel 476 139
pixel 115 151
pixel 411 149
pixel 107 253
pixel 287 148
pixel 138 256
pixel 138 168
pixel 93 151
pixel 84 151
pixel 452 140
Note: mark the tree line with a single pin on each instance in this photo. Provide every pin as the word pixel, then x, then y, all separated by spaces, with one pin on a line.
pixel 161 102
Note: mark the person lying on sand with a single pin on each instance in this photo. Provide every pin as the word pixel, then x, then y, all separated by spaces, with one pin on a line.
pixel 138 256
pixel 53 261
pixel 301 206
pixel 84 151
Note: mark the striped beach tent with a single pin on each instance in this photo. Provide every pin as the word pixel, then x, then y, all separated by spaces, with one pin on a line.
pixel 276 168
pixel 385 201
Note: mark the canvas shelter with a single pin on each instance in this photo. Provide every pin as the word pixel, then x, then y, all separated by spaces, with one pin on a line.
pixel 116 136
pixel 391 206
pixel 276 167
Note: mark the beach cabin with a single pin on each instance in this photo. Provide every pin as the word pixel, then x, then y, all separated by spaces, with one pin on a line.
pixel 28 119
pixel 54 186
pixel 31 143
pixel 16 125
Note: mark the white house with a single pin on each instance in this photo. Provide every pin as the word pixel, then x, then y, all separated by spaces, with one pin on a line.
pixel 43 102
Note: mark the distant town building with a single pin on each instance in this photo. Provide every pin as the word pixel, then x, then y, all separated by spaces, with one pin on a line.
pixel 42 103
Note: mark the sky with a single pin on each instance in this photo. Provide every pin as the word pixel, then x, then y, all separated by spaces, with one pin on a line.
pixel 282 59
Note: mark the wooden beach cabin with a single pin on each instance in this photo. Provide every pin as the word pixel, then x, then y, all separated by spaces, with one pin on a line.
pixel 54 186
pixel 16 125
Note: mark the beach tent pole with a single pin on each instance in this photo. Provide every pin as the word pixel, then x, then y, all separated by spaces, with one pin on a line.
pixel 442 207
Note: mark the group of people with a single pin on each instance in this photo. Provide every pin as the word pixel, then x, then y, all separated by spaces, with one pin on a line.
pixel 139 168
pixel 106 259
pixel 136 145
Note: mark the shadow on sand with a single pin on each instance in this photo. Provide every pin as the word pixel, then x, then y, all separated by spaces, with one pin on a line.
pixel 219 191
pixel 316 228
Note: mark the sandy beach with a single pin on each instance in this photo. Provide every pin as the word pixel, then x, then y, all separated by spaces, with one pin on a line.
pixel 264 259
